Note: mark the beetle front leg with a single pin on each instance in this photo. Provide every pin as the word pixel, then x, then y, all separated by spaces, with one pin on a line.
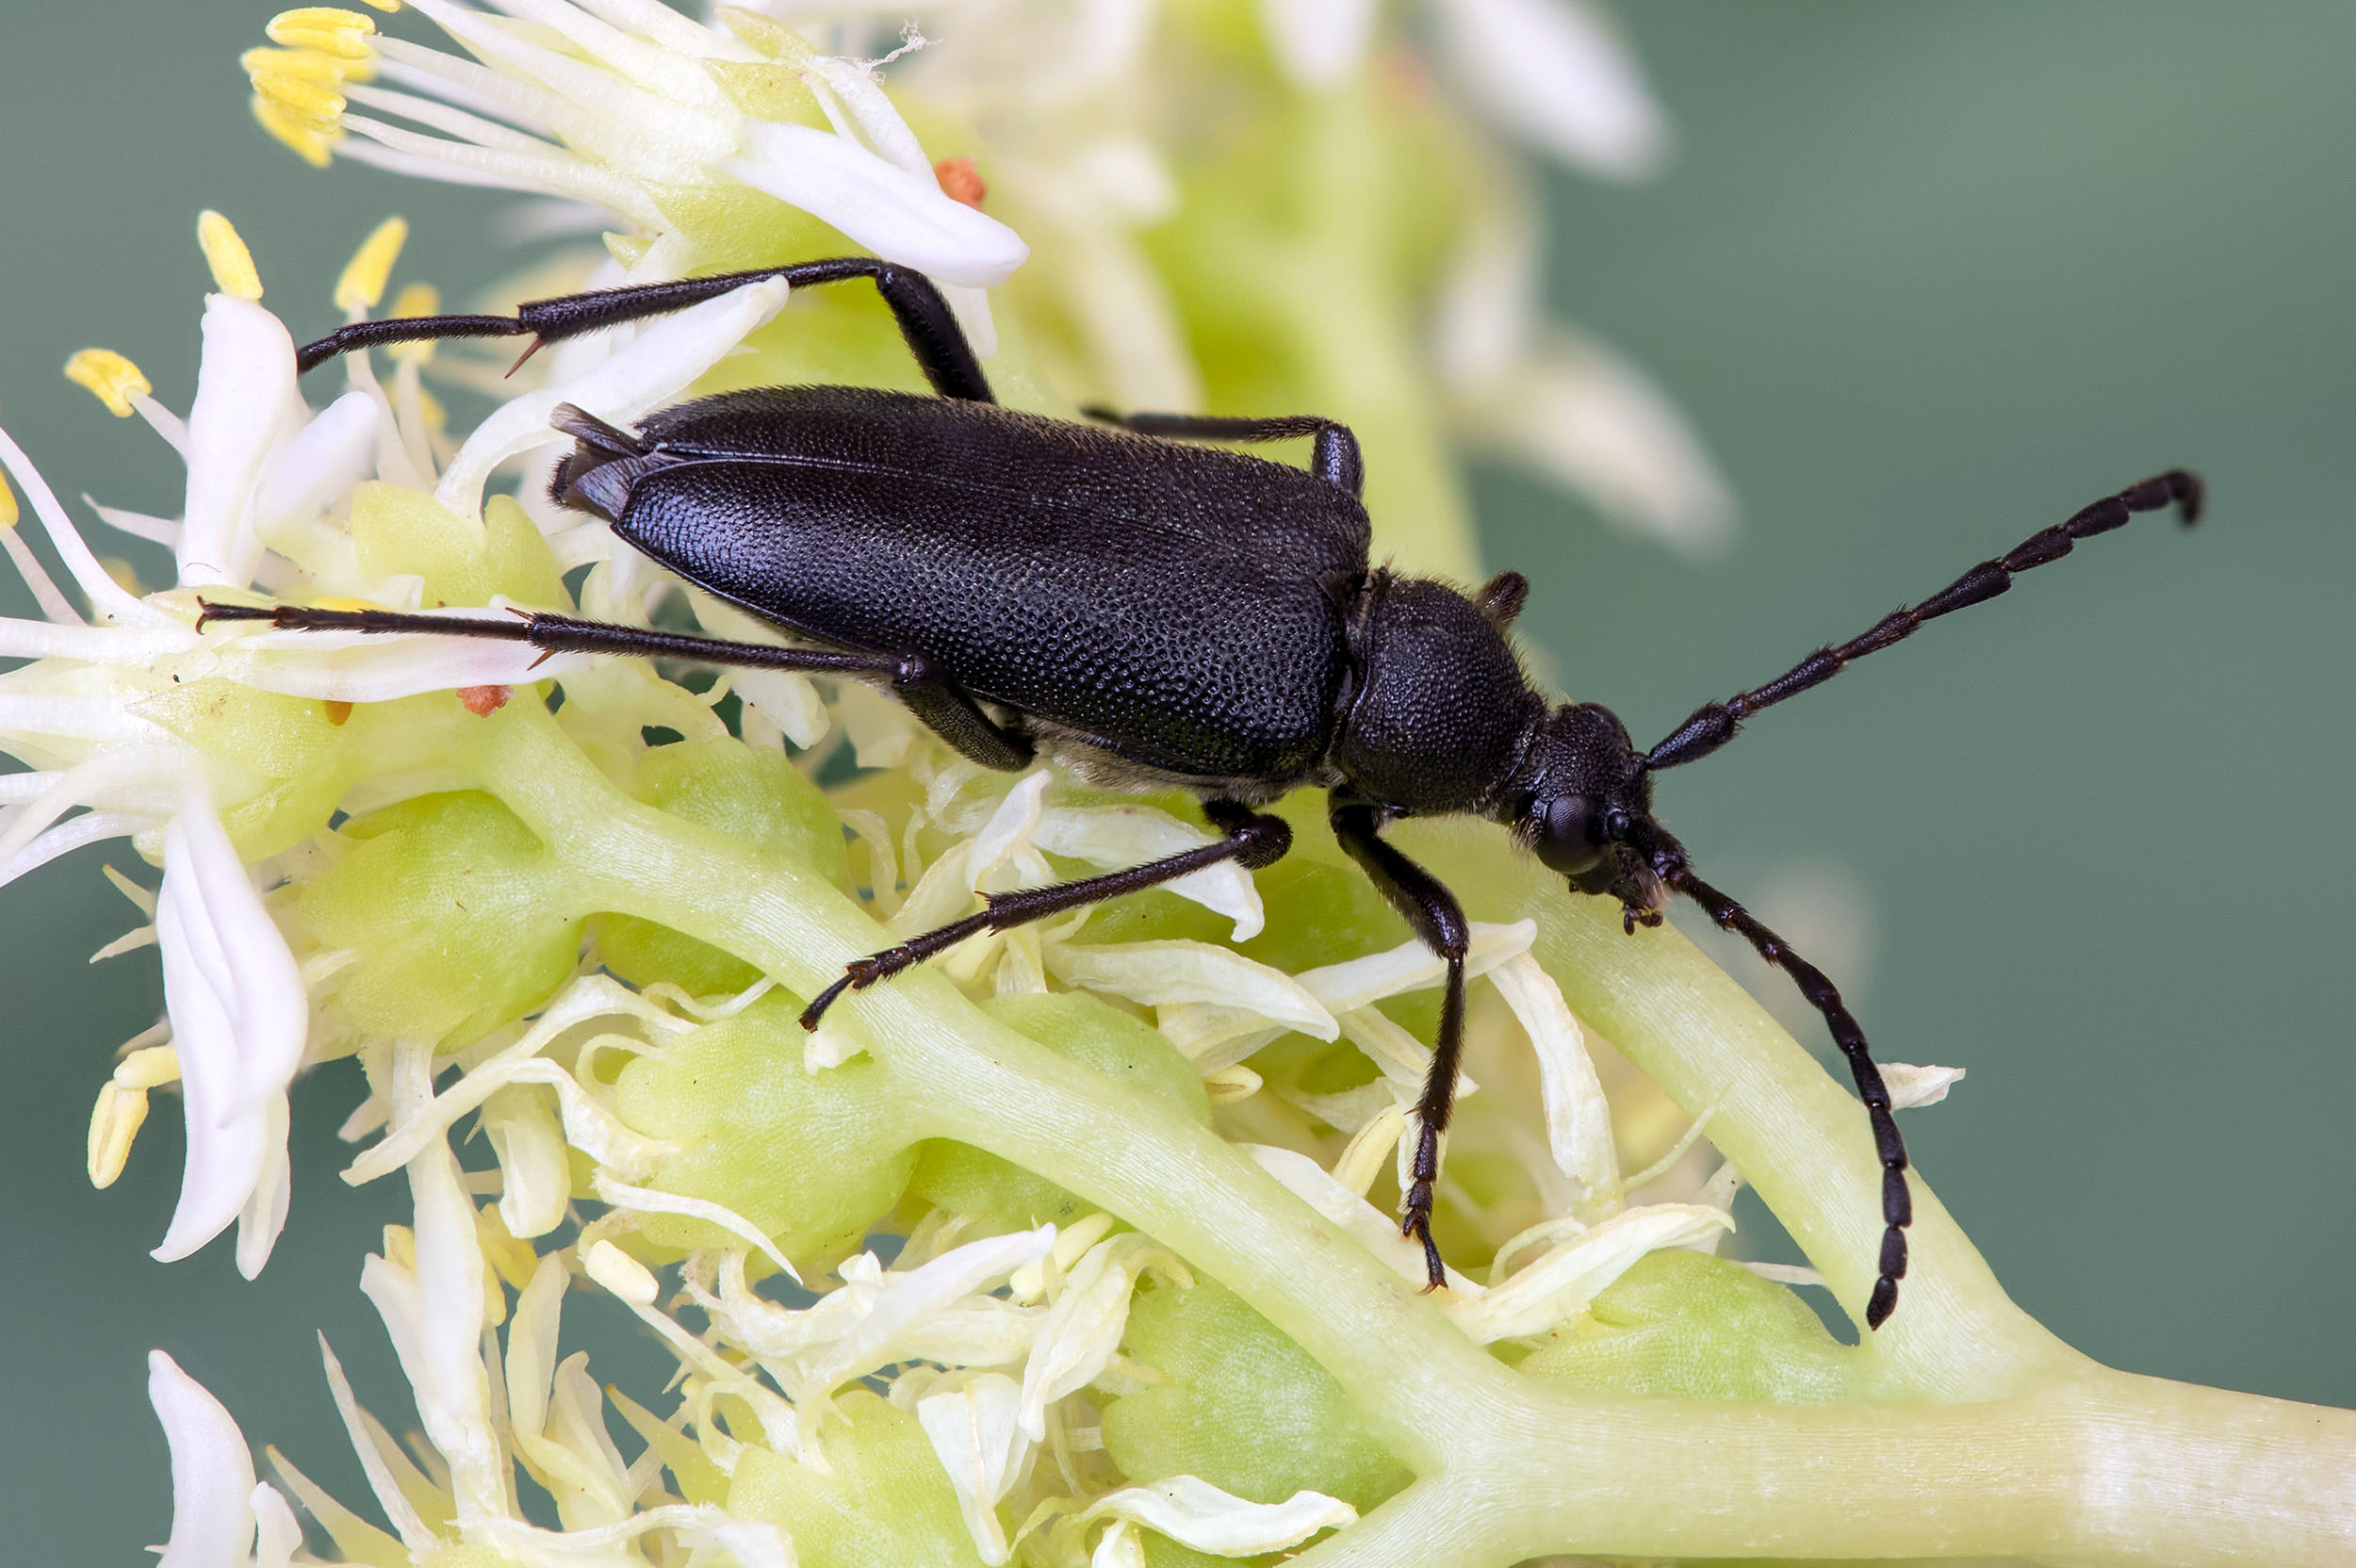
pixel 1251 838
pixel 1433 914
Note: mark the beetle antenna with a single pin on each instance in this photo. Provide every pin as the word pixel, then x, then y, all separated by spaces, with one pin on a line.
pixel 1714 724
pixel 1822 995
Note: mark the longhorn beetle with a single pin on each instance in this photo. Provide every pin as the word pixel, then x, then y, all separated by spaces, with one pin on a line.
pixel 1156 614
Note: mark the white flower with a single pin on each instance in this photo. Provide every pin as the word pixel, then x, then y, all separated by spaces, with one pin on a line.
pixel 220 1517
pixel 638 108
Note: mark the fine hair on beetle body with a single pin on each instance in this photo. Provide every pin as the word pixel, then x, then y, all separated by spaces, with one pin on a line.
pixel 1155 613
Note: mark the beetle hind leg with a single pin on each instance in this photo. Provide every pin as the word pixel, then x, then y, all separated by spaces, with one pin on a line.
pixel 1251 838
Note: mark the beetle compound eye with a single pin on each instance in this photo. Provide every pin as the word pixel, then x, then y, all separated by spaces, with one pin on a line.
pixel 1570 834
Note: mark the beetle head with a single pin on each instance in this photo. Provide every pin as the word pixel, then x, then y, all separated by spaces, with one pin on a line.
pixel 1583 806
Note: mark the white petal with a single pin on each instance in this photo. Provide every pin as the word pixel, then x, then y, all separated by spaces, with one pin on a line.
pixel 245 403
pixel 1569 1276
pixel 1367 1225
pixel 1113 836
pixel 353 666
pixel 278 1535
pixel 1910 1086
pixel 1556 73
pixel 110 597
pixel 653 368
pixel 535 1177
pixel 647 1200
pixel 978 1438
pixel 1318 44
pixel 1195 1514
pixel 1159 973
pixel 878 204
pixel 325 458
pixel 1344 987
pixel 212 1472
pixel 1578 1118
pixel 1082 1329
pixel 239 1017
pixel 265 1212
pixel 532 1331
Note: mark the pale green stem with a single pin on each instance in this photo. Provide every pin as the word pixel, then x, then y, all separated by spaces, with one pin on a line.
pixel 2094 1465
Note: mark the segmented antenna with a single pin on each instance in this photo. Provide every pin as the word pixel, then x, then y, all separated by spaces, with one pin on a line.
pixel 1822 995
pixel 1714 724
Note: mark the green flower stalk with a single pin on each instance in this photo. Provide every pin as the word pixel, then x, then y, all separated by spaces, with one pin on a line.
pixel 1070 1246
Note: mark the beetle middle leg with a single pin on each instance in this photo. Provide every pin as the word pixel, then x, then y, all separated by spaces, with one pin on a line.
pixel 1251 838
pixel 1433 914
pixel 1333 453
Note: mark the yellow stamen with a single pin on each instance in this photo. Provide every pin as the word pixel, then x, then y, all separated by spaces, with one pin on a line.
pixel 362 282
pixel 418 298
pixel 388 6
pixel 301 81
pixel 122 1109
pixel 400 1247
pixel 341 33
pixel 310 143
pixel 226 254
pixel 336 601
pixel 9 514
pixel 110 378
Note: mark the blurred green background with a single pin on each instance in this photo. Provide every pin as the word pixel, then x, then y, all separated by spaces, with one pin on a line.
pixel 1925 278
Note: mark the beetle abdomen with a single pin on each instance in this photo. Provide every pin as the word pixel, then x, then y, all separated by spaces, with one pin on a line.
pixel 1162 600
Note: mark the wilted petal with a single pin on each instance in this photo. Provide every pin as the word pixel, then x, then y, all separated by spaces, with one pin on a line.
pixel 1555 73
pixel 1578 1118
pixel 212 1472
pixel 878 204
pixel 1082 1330
pixel 1195 1514
pixel 1912 1087
pixel 1367 1225
pixel 1112 837
pixel 1159 973
pixel 1568 1277
pixel 1344 987
pixel 976 1431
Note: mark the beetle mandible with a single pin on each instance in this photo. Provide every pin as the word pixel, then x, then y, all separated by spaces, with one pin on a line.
pixel 1154 614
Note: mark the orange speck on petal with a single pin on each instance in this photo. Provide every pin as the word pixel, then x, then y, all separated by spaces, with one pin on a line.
pixel 483 701
pixel 959 183
pixel 337 711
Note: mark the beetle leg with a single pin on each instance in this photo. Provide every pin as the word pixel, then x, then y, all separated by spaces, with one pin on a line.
pixel 1252 840
pixel 1332 452
pixel 1433 914
pixel 944 709
pixel 925 321
pixel 954 716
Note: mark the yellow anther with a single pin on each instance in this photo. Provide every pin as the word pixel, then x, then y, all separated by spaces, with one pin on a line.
pixel 290 81
pixel 400 1247
pixel 7 504
pixel 344 34
pixel 110 378
pixel 316 66
pixel 226 254
pixel 418 298
pixel 122 1109
pixel 388 6
pixel 363 282
pixel 313 145
pixel 336 601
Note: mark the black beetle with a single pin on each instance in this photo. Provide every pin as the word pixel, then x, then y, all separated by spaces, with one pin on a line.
pixel 1154 613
